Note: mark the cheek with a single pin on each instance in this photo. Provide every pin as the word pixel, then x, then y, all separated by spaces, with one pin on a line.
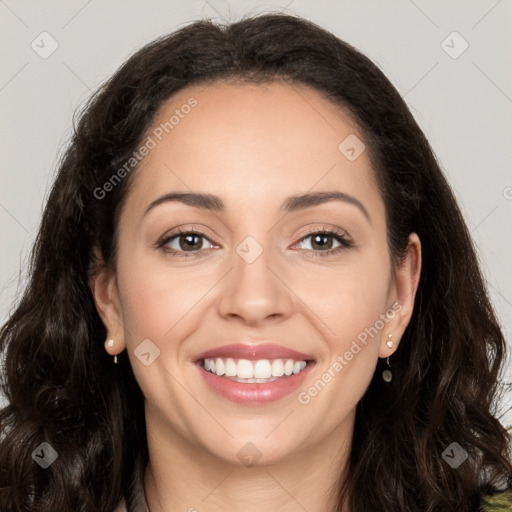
pixel 347 300
pixel 350 305
pixel 155 298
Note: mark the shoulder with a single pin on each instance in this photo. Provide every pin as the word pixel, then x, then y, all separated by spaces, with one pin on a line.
pixel 501 502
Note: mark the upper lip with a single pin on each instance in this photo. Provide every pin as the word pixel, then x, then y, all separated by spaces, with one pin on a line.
pixel 254 352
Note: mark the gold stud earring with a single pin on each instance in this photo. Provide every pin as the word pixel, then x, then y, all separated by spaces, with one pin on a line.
pixel 389 343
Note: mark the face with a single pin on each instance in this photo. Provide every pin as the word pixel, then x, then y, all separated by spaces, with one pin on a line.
pixel 251 277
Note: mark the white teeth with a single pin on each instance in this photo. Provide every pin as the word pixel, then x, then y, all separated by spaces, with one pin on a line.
pixel 254 381
pixel 219 366
pixel 244 369
pixel 297 367
pixel 277 368
pixel 262 370
pixel 230 367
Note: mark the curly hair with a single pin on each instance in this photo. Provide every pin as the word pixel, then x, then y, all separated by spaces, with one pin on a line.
pixel 59 381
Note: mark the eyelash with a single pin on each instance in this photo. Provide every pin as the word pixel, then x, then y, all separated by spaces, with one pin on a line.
pixel 341 237
pixel 338 235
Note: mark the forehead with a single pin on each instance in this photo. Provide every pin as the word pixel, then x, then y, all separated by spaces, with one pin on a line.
pixel 252 141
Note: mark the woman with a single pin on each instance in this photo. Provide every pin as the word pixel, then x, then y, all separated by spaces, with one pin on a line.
pixel 252 289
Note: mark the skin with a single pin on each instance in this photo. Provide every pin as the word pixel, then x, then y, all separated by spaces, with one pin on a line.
pixel 253 146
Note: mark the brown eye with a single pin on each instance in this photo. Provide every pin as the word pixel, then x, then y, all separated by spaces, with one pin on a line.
pixel 325 242
pixel 185 243
pixel 191 242
pixel 321 241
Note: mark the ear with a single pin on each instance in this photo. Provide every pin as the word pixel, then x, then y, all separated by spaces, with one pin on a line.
pixel 406 280
pixel 103 284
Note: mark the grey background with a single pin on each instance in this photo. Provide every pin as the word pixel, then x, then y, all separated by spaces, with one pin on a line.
pixel 463 104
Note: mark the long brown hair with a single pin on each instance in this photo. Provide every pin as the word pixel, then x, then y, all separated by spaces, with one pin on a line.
pixel 63 389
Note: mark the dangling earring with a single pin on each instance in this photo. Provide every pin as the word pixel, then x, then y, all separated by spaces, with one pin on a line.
pixel 386 374
pixel 111 344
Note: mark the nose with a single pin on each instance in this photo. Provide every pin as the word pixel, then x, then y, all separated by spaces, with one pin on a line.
pixel 255 292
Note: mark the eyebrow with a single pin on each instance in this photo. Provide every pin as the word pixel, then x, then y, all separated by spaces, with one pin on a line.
pixel 291 204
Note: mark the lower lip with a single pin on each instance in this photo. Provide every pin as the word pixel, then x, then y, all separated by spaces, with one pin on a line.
pixel 254 393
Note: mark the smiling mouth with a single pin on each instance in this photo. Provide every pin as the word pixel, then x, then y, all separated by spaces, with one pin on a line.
pixel 258 371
